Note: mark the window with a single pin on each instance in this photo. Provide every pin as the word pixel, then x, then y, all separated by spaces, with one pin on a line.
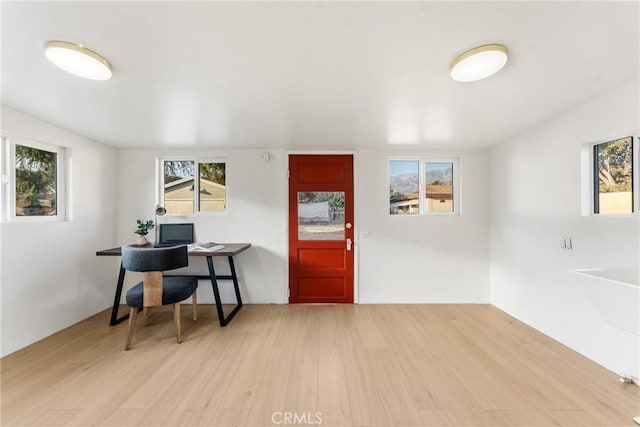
pixel 182 194
pixel 404 186
pixel 438 178
pixel 33 180
pixel 423 187
pixel 321 215
pixel 613 174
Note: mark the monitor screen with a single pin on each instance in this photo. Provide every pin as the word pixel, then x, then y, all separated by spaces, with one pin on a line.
pixel 175 233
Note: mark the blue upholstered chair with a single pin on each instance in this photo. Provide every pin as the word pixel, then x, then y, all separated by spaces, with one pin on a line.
pixel 156 290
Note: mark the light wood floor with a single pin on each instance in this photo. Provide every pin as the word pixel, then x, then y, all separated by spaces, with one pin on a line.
pixel 350 365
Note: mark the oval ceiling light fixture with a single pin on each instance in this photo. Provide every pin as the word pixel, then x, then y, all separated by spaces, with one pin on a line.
pixel 479 63
pixel 78 60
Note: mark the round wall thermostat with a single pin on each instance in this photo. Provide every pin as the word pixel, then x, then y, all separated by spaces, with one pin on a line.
pixel 266 156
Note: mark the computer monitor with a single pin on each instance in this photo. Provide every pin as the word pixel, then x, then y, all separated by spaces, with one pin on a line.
pixel 175 234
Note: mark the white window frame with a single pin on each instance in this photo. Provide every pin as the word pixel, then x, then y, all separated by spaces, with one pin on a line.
pixel 422 184
pixel 196 182
pixel 8 188
pixel 590 179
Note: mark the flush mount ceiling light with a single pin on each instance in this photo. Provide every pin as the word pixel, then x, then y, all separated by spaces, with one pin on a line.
pixel 78 60
pixel 479 63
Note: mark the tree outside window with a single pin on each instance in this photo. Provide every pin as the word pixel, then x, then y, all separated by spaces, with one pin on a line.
pixel 614 171
pixel 36 181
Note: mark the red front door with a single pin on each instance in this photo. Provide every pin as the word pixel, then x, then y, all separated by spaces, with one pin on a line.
pixel 321 229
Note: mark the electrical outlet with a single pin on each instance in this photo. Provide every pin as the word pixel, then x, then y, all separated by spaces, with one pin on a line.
pixel 566 243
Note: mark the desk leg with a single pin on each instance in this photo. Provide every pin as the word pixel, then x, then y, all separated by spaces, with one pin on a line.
pixel 116 301
pixel 234 277
pixel 216 292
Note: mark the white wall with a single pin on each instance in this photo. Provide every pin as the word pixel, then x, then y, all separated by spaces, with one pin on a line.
pixel 436 259
pixel 50 277
pixel 535 200
pixel 423 259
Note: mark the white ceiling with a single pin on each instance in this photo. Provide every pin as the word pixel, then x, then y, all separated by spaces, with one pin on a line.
pixel 313 75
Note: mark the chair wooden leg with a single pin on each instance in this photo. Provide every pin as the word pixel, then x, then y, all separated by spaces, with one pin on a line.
pixel 133 315
pixel 145 311
pixel 176 318
pixel 194 299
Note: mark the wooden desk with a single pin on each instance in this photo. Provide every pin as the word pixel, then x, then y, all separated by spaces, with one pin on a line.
pixel 230 250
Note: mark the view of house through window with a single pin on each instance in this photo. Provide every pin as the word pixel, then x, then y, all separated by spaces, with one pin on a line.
pixel 36 182
pixel 613 167
pixel 407 177
pixel 438 187
pixel 404 184
pixel 181 187
pixel 212 187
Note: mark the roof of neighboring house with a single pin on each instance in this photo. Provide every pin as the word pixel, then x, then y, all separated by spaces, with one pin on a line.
pixel 433 192
pixel 188 180
pixel 440 191
pixel 208 189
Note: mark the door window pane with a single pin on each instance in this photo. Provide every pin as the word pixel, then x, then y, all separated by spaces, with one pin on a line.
pixel 438 187
pixel 178 186
pixel 614 185
pixel 213 193
pixel 36 181
pixel 403 187
pixel 321 215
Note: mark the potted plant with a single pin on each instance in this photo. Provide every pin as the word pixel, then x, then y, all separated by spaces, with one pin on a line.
pixel 143 229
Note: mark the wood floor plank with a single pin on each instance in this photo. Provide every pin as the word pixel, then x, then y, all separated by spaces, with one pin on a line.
pixel 333 397
pixel 302 389
pixel 349 365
